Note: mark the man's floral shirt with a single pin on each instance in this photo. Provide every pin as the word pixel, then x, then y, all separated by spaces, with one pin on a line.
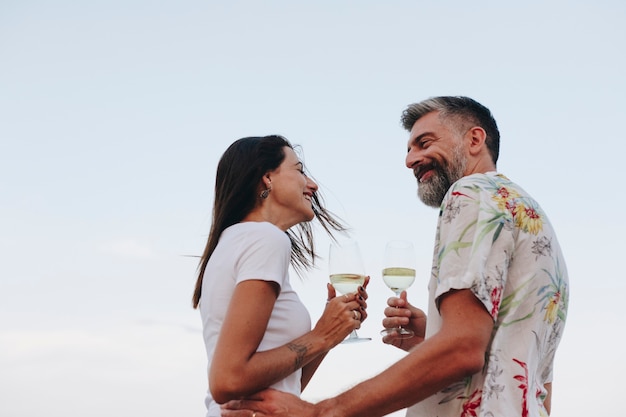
pixel 494 239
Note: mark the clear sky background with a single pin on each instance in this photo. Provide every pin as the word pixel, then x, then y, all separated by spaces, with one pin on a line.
pixel 113 115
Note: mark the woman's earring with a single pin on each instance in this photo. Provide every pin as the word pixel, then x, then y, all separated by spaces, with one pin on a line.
pixel 265 193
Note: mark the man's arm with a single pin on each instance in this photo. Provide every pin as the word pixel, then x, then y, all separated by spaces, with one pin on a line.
pixel 456 351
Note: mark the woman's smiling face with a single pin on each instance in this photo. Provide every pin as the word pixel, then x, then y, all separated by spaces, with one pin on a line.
pixel 291 192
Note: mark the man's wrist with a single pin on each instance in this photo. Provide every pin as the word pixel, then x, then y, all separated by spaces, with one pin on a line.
pixel 328 408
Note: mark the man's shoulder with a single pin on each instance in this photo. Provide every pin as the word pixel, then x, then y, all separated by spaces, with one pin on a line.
pixel 491 187
pixel 490 181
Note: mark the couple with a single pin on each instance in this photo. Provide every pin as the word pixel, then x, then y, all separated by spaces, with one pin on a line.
pixel 498 293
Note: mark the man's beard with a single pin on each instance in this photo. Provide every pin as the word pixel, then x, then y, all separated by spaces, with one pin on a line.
pixel 432 191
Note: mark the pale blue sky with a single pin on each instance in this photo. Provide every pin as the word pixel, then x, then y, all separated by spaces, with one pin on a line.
pixel 113 115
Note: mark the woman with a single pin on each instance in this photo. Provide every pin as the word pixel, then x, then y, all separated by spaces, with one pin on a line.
pixel 257 332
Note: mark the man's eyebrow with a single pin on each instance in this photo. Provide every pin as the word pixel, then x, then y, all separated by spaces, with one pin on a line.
pixel 419 137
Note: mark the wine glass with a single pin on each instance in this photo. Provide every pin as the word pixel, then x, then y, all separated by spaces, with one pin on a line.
pixel 347 273
pixel 398 275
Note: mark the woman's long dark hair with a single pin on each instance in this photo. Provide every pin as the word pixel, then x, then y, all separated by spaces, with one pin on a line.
pixel 237 188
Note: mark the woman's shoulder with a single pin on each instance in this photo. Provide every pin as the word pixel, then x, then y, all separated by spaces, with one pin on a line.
pixel 258 230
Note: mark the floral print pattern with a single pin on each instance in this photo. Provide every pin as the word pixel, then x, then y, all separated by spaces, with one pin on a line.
pixel 494 239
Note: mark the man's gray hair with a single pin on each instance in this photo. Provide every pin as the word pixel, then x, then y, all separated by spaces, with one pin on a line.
pixel 462 113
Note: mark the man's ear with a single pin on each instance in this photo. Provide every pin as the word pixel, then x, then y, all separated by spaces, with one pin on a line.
pixel 477 137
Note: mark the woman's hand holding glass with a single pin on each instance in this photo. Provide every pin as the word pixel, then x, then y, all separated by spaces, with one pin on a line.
pixel 347 276
pixel 343 314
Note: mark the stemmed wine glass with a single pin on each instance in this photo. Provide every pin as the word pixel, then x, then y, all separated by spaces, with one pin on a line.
pixel 398 275
pixel 347 273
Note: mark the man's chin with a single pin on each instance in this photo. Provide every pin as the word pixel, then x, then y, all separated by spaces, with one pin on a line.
pixel 427 197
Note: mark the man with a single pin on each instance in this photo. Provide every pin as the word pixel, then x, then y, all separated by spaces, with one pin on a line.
pixel 498 293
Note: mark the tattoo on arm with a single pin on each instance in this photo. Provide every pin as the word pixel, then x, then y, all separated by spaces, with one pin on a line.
pixel 300 352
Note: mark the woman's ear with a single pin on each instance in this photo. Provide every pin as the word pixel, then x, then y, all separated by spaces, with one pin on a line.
pixel 267 180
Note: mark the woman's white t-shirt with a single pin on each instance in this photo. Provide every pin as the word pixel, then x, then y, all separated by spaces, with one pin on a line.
pixel 252 250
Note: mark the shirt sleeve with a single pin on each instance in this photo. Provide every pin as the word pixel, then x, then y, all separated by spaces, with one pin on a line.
pixel 475 244
pixel 265 255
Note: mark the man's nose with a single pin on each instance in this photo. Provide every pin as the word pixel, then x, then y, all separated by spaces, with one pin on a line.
pixel 412 158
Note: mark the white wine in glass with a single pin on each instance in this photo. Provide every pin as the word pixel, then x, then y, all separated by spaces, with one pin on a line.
pixel 347 273
pixel 398 278
pixel 347 283
pixel 398 275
